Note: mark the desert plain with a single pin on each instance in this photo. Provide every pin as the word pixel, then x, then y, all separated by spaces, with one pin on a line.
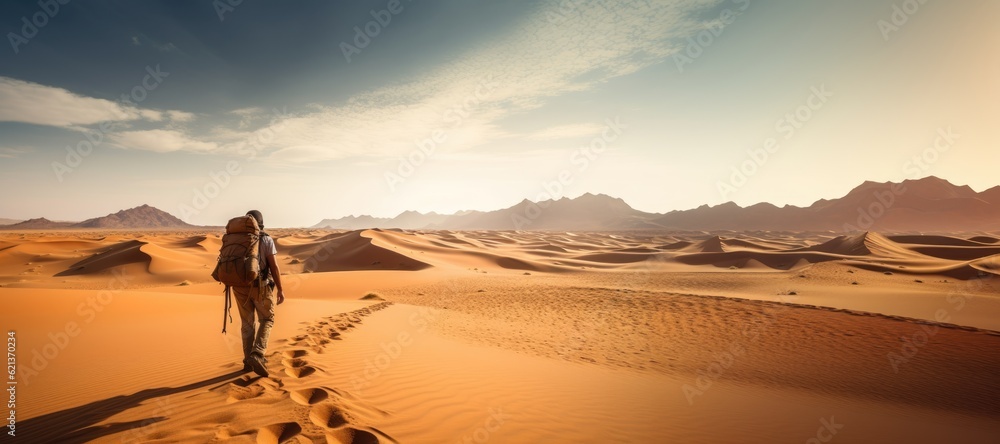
pixel 508 336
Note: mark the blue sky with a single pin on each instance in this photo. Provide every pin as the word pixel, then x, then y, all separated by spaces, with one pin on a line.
pixel 654 102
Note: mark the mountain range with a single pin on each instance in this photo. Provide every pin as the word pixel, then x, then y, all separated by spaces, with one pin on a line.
pixel 923 205
pixel 928 204
pixel 143 216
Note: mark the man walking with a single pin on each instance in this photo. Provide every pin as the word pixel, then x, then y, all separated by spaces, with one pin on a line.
pixel 259 298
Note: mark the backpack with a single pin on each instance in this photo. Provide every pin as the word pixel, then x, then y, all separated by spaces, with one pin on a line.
pixel 239 259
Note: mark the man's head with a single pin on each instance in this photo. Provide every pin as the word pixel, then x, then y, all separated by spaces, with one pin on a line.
pixel 259 217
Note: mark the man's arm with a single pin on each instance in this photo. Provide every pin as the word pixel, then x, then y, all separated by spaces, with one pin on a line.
pixel 276 275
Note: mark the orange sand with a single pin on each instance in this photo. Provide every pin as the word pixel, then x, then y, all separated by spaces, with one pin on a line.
pixel 511 337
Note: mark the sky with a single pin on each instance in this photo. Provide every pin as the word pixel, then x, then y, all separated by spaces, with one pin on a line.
pixel 312 109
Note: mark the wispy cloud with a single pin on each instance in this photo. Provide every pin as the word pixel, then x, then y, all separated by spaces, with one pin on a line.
pixel 38 104
pixel 14 152
pixel 180 116
pixel 567 132
pixel 554 52
pixel 161 141
pixel 29 102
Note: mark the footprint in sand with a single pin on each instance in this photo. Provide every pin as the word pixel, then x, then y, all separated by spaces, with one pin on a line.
pixel 295 353
pixel 299 372
pixel 272 383
pixel 278 433
pixel 328 416
pixel 267 383
pixel 294 362
pixel 350 435
pixel 237 393
pixel 325 414
pixel 250 388
pixel 319 341
pixel 309 396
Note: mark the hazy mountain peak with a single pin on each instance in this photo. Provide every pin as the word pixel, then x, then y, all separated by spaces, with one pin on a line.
pixel 143 216
pixel 872 205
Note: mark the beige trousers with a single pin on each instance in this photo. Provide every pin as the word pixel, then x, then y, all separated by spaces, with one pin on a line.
pixel 251 301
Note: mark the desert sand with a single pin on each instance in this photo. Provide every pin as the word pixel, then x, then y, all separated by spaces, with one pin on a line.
pixel 499 336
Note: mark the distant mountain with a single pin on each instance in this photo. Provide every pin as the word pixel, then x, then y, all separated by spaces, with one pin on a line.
pixel 143 216
pixel 8 221
pixel 991 195
pixel 587 212
pixel 140 217
pixel 39 223
pixel 356 222
pixel 928 204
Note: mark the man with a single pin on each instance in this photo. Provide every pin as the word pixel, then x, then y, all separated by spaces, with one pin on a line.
pixel 259 298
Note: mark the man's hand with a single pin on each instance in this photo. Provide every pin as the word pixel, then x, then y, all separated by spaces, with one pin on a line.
pixel 281 296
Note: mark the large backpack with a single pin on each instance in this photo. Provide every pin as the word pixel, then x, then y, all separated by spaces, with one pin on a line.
pixel 239 259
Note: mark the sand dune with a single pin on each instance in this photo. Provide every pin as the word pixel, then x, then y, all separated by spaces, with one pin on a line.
pixel 180 257
pixel 349 251
pixel 562 337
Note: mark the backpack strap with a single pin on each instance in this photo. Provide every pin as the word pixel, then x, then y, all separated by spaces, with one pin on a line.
pixel 265 272
pixel 226 311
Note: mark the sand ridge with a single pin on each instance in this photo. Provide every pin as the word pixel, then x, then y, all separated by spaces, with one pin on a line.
pixel 315 412
pixel 492 327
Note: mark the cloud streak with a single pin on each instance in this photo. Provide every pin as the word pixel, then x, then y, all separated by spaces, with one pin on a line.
pixel 551 52
pixel 14 152
pixel 33 103
pixel 37 104
pixel 161 141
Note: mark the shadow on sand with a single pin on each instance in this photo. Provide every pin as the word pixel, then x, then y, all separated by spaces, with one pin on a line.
pixel 77 424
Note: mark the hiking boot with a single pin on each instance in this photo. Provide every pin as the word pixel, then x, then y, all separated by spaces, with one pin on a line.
pixel 247 368
pixel 257 363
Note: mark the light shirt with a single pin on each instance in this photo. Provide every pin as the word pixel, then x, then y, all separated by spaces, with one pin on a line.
pixel 266 248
